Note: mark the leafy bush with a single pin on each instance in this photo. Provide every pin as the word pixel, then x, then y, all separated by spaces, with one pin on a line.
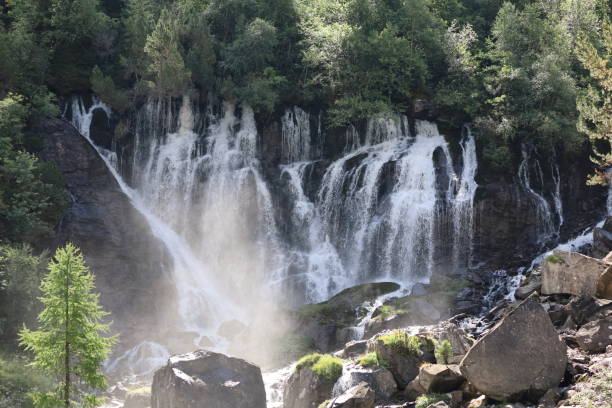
pixel 443 352
pixel 324 365
pixel 426 400
pixel 402 343
pixel 372 360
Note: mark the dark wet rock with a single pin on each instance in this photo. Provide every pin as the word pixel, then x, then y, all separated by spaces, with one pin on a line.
pixel 595 336
pixel 129 263
pixel 379 379
pixel 521 357
pixel 329 324
pixel 207 380
pixel 602 239
pixel 359 396
pixel 572 273
pixel 550 398
pixel 586 308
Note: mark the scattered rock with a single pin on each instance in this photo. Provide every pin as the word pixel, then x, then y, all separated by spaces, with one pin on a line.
pixel 379 379
pixel 524 291
pixel 457 337
pixel 572 273
pixel 138 398
pixel 522 356
pixel 550 398
pixel 456 398
pixel 353 348
pixel 602 239
pixel 439 378
pixel 439 404
pixel 221 381
pixel 479 402
pixel 595 336
pixel 583 309
pixel 359 396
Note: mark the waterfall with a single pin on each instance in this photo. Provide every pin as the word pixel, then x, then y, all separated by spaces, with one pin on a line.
pixel 196 176
pixel 545 226
pixel 295 135
pixel 557 193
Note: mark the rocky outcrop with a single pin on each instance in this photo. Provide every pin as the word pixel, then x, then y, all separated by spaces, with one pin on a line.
pixel 379 379
pixel 595 336
pixel 204 379
pixel 403 356
pixel 306 389
pixel 119 247
pixel 329 324
pixel 359 396
pixel 602 239
pixel 573 273
pixel 522 356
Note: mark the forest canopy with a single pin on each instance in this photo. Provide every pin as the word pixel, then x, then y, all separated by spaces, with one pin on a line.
pixel 510 67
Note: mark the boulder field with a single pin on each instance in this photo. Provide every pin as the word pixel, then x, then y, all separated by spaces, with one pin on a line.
pixel 544 350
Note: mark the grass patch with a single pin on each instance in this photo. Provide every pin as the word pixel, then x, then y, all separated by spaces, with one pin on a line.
pixel 402 343
pixel 324 365
pixel 372 360
pixel 554 259
pixel 426 400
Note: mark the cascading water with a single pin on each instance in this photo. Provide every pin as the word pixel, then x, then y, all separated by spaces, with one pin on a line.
pixel 546 226
pixel 196 177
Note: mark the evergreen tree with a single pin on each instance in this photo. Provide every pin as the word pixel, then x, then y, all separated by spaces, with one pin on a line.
pixel 595 103
pixel 69 343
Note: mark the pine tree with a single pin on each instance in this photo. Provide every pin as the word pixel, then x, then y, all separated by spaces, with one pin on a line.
pixel 595 104
pixel 69 343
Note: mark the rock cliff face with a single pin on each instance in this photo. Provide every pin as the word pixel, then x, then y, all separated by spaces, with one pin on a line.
pixel 119 248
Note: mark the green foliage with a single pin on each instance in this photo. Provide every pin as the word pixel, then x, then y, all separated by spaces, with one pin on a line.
pixel 327 367
pixel 20 274
pixel 426 400
pixel 402 343
pixel 595 102
pixel 372 360
pixel 170 76
pixel 69 344
pixel 554 259
pixel 443 352
pixel 31 199
pixel 105 88
pixel 17 380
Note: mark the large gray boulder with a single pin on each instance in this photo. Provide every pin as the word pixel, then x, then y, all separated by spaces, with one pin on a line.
pixel 204 379
pixel 522 356
pixel 595 336
pixel 572 273
pixel 379 379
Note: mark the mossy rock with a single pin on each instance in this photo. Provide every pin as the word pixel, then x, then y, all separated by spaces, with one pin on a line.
pixel 341 309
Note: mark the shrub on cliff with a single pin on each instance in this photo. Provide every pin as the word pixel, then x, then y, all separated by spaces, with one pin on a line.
pixel 325 366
